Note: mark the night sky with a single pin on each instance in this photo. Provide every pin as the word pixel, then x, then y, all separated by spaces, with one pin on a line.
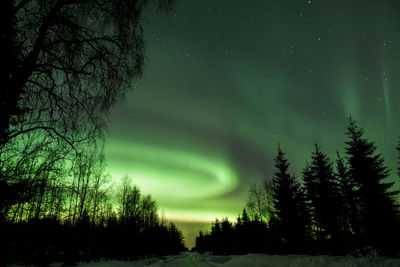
pixel 226 80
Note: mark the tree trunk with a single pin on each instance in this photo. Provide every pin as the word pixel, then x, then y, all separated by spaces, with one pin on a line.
pixel 9 57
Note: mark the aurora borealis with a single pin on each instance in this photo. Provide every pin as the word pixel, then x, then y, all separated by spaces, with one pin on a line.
pixel 226 80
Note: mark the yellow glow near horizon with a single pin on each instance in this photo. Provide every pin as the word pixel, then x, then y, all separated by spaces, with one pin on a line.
pixel 183 183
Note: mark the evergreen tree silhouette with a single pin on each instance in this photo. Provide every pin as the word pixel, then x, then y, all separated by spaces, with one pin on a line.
pixel 376 197
pixel 348 193
pixel 290 215
pixel 323 197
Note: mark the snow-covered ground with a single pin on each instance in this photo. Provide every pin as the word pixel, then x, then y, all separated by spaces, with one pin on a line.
pixel 252 260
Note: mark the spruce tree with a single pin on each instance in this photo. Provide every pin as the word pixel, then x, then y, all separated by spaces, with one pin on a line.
pixel 288 204
pixel 322 196
pixel 348 193
pixel 376 197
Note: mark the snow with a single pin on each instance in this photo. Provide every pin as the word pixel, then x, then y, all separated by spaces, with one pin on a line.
pixel 251 260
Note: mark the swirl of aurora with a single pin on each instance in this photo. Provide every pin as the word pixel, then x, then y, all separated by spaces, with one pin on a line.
pixel 184 183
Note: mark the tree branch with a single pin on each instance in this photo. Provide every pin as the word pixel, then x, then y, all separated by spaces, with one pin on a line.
pixel 49 130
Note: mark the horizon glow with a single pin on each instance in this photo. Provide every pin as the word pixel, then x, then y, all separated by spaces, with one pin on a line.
pixel 174 176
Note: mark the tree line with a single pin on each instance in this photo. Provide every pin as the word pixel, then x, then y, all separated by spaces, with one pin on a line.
pixel 83 218
pixel 342 207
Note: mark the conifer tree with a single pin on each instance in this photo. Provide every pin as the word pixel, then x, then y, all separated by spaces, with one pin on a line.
pixel 288 203
pixel 376 197
pixel 347 190
pixel 322 196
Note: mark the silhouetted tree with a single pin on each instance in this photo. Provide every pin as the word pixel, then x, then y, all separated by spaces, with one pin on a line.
pixel 37 167
pixel 344 211
pixel 245 218
pixel 258 202
pixel 66 63
pixel 148 211
pixel 176 240
pixel 290 213
pixel 323 197
pixel 10 61
pixel 376 197
pixel 128 197
pixel 349 200
pixel 227 238
pixel 70 216
pixel 135 208
pixel 47 186
pixel 100 189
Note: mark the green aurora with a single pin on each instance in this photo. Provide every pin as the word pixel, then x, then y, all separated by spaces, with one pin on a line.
pixel 226 80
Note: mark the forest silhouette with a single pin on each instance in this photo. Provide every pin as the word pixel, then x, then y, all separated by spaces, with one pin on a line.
pixel 64 65
pixel 341 208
